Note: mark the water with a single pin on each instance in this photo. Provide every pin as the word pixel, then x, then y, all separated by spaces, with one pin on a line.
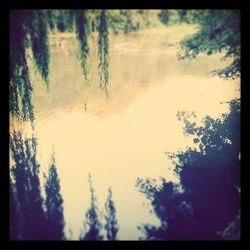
pixel 120 138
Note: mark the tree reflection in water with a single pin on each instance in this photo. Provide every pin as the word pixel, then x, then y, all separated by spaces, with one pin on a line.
pixel 206 203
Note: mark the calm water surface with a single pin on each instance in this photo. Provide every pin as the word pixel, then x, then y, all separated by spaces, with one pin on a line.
pixel 124 136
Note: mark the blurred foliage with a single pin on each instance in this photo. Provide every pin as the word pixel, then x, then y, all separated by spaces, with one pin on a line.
pixel 60 20
pixel 208 196
pixel 164 16
pixel 129 23
pixel 125 21
pixel 183 16
pixel 219 31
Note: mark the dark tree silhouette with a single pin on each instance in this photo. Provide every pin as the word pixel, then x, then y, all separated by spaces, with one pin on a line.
pixel 92 224
pixel 111 225
pixel 208 199
pixel 27 193
pixel 54 204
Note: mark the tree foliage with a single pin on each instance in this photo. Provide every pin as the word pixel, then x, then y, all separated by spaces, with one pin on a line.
pixel 20 88
pixel 103 50
pixel 27 29
pixel 164 16
pixel 83 31
pixel 208 198
pixel 219 31
pixel 129 23
pixel 61 20
pixel 183 16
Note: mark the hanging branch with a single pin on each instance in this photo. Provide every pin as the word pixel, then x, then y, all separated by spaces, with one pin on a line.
pixel 40 47
pixel 27 28
pixel 83 31
pixel 20 86
pixel 103 50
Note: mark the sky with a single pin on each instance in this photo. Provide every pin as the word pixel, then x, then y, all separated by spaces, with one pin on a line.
pixel 125 136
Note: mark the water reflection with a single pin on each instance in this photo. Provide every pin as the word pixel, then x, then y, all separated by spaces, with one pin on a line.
pixel 125 136
pixel 206 203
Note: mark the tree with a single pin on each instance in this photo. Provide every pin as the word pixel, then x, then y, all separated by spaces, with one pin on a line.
pixel 219 31
pixel 208 198
pixel 28 28
pixel 25 190
pixel 20 85
pixel 103 50
pixel 38 30
pixel 111 221
pixel 54 204
pixel 92 223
